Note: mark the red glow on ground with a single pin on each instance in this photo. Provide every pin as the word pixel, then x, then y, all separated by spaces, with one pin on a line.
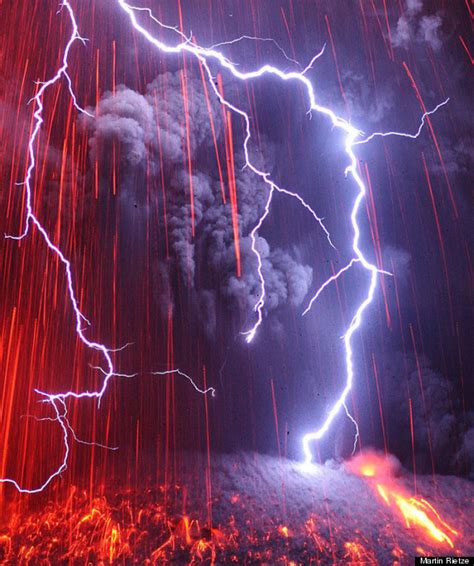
pixel 415 511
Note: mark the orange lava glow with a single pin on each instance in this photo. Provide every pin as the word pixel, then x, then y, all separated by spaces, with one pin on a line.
pixel 137 527
pixel 284 531
pixel 368 470
pixel 103 532
pixel 357 554
pixel 416 511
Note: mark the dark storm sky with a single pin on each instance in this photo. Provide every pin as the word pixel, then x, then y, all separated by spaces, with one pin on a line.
pixel 424 351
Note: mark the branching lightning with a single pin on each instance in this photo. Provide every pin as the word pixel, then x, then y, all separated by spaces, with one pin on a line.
pixel 205 57
pixel 58 400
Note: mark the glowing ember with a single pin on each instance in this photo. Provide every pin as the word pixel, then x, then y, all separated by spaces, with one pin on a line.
pixel 317 521
pixel 178 251
pixel 416 512
pixel 356 553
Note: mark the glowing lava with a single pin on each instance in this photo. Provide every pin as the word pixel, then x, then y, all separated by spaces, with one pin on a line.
pixel 415 511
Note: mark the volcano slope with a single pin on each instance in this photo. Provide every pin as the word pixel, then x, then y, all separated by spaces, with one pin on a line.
pixel 249 509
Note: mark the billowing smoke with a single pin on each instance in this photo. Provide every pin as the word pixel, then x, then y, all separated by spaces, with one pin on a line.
pixel 442 436
pixel 151 127
pixel 125 117
pixel 413 27
pixel 151 132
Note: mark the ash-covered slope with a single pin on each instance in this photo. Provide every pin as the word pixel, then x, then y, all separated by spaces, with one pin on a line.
pixel 363 511
pixel 264 510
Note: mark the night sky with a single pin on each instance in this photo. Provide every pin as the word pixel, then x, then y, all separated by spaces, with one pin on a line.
pixel 113 191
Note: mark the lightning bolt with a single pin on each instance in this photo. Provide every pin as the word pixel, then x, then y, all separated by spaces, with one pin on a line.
pixel 205 56
pixel 58 400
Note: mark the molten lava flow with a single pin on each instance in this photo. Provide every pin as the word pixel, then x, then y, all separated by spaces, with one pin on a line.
pixel 416 511
pixel 105 532
pixel 319 521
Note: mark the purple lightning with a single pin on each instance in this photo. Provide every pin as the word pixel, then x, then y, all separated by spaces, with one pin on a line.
pixel 204 55
pixel 58 400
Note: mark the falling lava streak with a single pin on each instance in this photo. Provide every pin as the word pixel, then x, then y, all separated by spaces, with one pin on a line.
pixel 98 532
pixel 205 57
pixel 265 510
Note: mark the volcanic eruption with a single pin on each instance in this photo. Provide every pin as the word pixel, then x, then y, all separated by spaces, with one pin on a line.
pixel 236 264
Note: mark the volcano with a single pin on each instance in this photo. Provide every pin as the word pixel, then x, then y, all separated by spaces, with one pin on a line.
pixel 235 235
pixel 251 509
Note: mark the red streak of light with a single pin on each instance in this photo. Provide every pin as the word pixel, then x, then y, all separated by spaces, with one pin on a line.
pixel 376 239
pixel 213 130
pixel 379 396
pixel 233 194
pixel 412 436
pixel 8 394
pixel 388 46
pixel 184 88
pixel 169 396
pixel 466 48
pixel 388 31
pixel 114 149
pixel 435 140
pixel 114 169
pixel 229 151
pixel 368 45
pixel 440 237
pixel 62 173
pixel 14 165
pixel 162 179
pixel 208 447
pixel 469 9
pixel 290 37
pixel 275 414
pixel 333 49
pixel 97 99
